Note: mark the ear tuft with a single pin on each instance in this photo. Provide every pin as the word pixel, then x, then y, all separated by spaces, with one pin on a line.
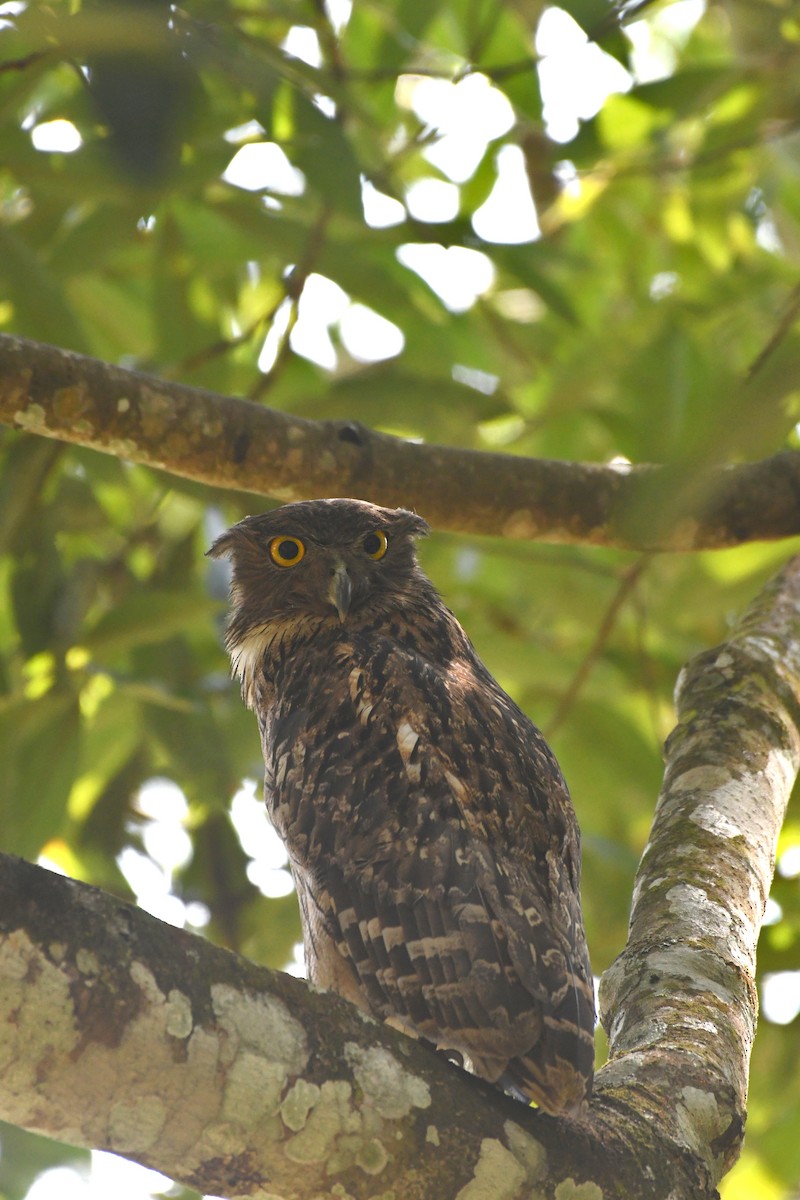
pixel 412 524
pixel 223 546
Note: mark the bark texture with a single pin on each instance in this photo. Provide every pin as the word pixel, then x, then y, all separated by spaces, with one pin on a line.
pixel 680 1004
pixel 120 1032
pixel 230 443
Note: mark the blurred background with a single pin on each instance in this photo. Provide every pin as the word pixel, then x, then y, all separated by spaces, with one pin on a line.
pixel 569 232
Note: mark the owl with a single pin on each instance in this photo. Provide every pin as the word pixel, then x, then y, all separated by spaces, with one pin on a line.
pixel 429 829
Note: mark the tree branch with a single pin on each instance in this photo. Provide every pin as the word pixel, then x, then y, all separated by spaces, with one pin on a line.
pixel 231 443
pixel 680 1003
pixel 120 1032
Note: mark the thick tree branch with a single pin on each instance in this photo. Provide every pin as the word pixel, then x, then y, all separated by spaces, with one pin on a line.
pixel 232 443
pixel 680 1003
pixel 120 1032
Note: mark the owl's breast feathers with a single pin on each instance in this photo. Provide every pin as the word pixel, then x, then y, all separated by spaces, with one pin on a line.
pixel 435 849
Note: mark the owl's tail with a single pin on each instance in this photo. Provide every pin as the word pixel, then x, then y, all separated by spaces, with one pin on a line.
pixel 558 1071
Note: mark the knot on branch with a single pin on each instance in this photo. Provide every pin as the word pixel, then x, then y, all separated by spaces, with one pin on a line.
pixel 352 432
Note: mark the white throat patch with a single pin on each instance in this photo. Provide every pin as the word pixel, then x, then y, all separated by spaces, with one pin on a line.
pixel 247 657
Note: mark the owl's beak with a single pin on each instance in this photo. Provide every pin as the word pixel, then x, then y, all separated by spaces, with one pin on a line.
pixel 340 590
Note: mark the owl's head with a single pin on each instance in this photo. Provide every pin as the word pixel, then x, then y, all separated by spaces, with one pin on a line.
pixel 317 563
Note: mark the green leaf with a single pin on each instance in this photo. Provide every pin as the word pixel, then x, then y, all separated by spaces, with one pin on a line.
pixel 144 617
pixel 40 753
pixel 40 308
pixel 320 148
pixel 26 1155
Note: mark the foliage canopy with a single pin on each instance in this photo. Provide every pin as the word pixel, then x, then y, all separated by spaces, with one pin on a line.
pixel 652 318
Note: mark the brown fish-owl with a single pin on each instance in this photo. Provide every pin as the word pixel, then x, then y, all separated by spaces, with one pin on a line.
pixel 429 829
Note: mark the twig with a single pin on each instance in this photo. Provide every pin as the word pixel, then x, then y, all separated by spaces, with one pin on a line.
pixel 791 311
pixel 292 287
pixel 22 64
pixel 628 581
pixel 294 283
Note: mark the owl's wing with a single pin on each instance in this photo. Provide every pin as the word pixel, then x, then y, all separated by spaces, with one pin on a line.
pixel 461 947
pixel 547 947
pixel 453 886
pixel 448 876
pixel 427 962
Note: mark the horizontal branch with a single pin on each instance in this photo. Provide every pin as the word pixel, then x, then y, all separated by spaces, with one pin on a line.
pixel 232 443
pixel 120 1032
pixel 680 1003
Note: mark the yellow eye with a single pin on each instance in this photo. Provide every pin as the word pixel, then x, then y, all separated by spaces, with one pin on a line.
pixel 375 544
pixel 286 551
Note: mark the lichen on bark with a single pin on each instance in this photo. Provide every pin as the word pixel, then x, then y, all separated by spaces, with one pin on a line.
pixel 680 1004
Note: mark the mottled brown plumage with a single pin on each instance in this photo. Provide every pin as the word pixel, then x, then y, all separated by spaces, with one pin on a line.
pixel 430 832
